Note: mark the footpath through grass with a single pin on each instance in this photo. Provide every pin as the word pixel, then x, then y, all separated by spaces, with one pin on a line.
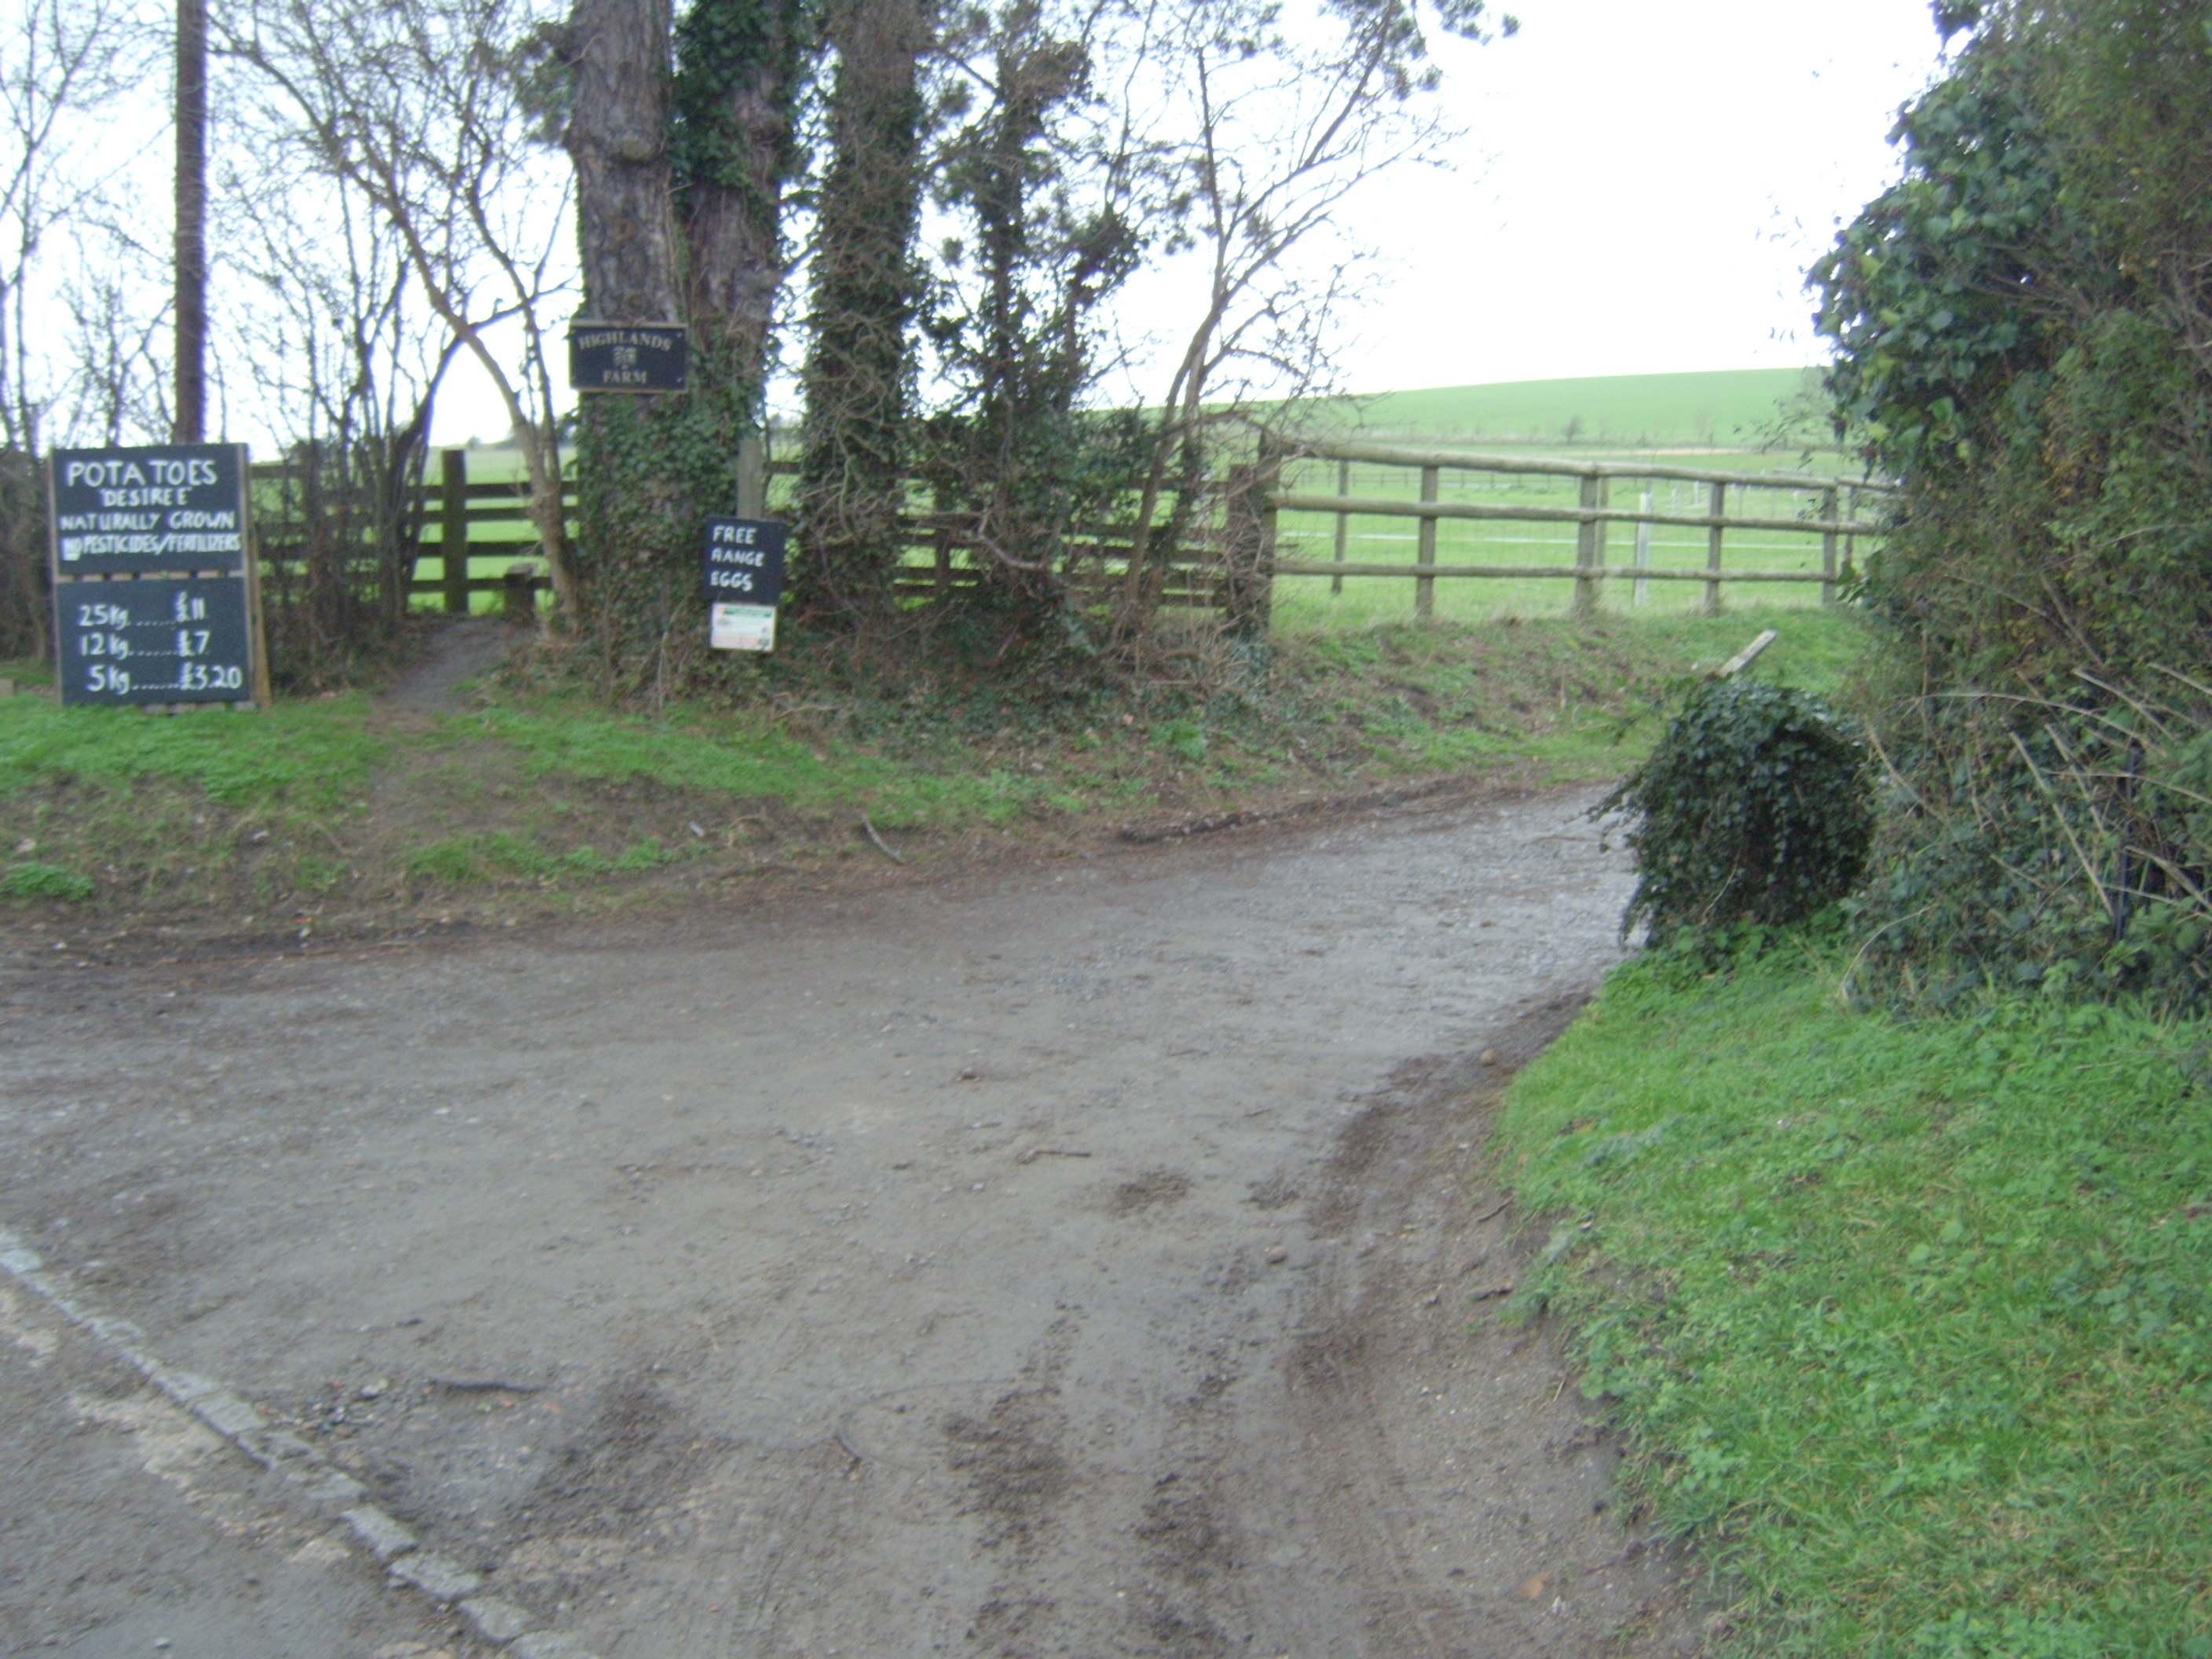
pixel 1910 1322
pixel 339 812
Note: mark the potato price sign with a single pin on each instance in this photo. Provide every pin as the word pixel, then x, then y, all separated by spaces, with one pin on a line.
pixel 154 597
pixel 744 579
pixel 184 640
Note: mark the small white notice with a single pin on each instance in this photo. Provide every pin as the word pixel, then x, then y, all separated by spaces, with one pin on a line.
pixel 741 627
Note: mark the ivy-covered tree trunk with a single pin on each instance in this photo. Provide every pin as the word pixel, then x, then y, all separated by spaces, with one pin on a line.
pixel 738 66
pixel 633 506
pixel 701 142
pixel 857 372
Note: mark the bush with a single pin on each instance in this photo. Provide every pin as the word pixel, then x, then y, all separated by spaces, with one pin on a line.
pixel 1753 807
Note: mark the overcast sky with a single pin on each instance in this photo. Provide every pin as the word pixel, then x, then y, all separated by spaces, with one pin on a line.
pixel 1641 188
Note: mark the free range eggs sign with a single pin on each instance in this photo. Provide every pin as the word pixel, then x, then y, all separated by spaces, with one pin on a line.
pixel 744 571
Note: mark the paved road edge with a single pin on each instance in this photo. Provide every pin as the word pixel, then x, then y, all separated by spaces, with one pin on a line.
pixel 318 1483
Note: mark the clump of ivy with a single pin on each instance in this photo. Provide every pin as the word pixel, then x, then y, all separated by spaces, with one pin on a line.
pixel 1753 809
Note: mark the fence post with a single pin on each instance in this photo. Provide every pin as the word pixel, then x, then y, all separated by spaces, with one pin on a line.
pixel 940 539
pixel 1589 546
pixel 1260 609
pixel 1851 542
pixel 1719 501
pixel 1644 547
pixel 1828 505
pixel 454 528
pixel 1343 521
pixel 1247 541
pixel 752 479
pixel 1424 587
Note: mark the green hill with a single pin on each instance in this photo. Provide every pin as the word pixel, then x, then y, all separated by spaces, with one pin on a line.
pixel 1726 408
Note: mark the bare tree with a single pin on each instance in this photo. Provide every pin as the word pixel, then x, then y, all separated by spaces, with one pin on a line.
pixel 342 357
pixel 1266 139
pixel 63 65
pixel 425 108
pixel 117 383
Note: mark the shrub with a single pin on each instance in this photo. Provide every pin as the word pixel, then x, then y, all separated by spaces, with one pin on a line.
pixel 1753 807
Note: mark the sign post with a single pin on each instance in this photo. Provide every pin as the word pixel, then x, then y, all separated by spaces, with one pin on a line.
pixel 157 600
pixel 628 356
pixel 744 579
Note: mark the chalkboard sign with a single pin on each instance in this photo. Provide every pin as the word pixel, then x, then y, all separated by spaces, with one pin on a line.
pixel 744 579
pixel 169 508
pixel 179 640
pixel 628 356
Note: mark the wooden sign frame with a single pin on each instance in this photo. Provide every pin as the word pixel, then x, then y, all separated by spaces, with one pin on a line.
pixel 151 553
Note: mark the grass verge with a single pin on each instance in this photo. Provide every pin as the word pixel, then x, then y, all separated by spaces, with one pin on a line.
pixel 344 811
pixel 1910 1323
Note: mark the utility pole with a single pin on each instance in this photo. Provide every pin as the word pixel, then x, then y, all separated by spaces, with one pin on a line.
pixel 190 337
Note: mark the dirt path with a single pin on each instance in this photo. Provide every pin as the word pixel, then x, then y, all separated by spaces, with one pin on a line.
pixel 452 654
pixel 1076 1262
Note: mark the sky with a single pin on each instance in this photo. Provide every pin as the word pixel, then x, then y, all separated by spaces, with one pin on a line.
pixel 1638 190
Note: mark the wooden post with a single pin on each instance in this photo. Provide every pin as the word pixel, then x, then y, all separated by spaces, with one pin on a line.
pixel 1851 542
pixel 264 698
pixel 941 541
pixel 1589 547
pixel 752 479
pixel 1719 502
pixel 1343 521
pixel 1424 587
pixel 1258 609
pixel 1644 548
pixel 454 528
pixel 1828 505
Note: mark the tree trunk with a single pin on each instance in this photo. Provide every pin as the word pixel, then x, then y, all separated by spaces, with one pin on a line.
pixel 638 506
pixel 188 419
pixel 617 136
pixel 856 375
pixel 736 72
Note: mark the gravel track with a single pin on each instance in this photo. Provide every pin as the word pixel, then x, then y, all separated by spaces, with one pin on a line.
pixel 1078 1262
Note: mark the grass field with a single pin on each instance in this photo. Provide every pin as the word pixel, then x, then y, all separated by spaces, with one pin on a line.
pixel 1727 408
pixel 1910 1323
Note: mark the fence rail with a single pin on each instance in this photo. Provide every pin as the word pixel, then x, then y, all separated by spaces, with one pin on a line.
pixel 455 510
pixel 1834 520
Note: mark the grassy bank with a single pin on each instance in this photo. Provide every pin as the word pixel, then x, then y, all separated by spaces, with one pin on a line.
pixel 1910 1323
pixel 343 811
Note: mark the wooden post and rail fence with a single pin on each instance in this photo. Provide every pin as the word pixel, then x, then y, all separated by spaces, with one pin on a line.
pixel 1235 571
pixel 1834 518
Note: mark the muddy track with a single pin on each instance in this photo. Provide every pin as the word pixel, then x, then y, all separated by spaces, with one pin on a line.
pixel 1093 1260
